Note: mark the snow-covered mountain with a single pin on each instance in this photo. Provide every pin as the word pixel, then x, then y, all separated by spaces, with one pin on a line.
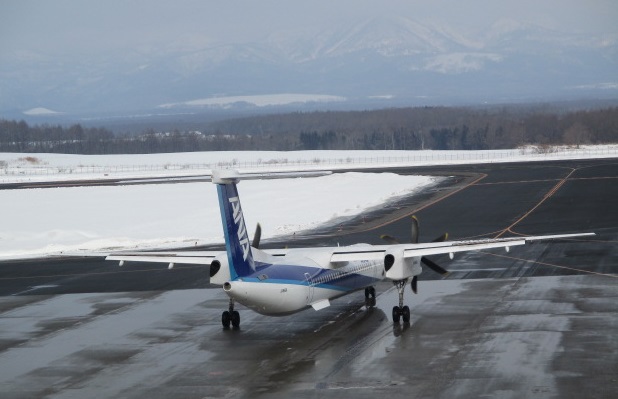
pixel 396 58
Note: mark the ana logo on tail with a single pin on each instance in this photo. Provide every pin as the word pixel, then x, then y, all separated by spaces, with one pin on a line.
pixel 239 220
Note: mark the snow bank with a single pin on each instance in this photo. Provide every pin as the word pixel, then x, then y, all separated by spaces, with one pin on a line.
pixel 44 167
pixel 54 220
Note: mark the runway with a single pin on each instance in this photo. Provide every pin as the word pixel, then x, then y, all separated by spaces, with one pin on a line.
pixel 538 321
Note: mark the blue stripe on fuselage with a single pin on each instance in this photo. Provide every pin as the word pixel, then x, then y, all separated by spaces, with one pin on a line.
pixel 341 280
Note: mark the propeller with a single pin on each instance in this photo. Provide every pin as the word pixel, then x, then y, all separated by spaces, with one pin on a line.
pixel 414 230
pixel 389 239
pixel 425 260
pixel 442 238
pixel 257 236
pixel 434 266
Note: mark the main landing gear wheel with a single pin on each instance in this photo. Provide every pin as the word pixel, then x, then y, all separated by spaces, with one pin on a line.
pixel 396 314
pixel 230 316
pixel 401 312
pixel 226 319
pixel 405 314
pixel 370 296
pixel 235 319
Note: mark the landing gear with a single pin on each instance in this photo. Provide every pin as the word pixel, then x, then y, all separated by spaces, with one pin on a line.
pixel 405 314
pixel 235 319
pixel 230 316
pixel 401 312
pixel 370 296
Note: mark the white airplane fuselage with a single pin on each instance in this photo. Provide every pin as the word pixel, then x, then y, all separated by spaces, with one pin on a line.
pixel 284 288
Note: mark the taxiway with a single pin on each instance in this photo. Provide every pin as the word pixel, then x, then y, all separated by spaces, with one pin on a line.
pixel 539 321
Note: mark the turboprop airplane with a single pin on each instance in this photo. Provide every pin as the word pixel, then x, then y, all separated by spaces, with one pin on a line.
pixel 286 281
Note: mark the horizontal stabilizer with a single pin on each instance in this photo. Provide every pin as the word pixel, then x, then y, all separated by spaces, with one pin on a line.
pixel 227 176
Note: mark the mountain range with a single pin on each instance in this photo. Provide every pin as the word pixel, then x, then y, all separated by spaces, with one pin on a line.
pixel 379 62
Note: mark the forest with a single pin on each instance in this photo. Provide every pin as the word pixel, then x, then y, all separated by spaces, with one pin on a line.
pixel 436 128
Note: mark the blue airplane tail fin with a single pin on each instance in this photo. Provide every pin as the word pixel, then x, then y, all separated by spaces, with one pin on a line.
pixel 236 237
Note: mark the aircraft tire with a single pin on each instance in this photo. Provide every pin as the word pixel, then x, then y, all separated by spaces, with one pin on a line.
pixel 396 314
pixel 405 314
pixel 226 319
pixel 235 319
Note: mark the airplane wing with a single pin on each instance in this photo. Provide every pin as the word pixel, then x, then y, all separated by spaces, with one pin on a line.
pixel 347 254
pixel 186 257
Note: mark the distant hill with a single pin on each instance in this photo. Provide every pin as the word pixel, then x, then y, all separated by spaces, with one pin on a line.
pixel 376 63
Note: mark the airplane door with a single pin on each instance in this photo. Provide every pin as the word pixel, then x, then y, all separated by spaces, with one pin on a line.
pixel 309 288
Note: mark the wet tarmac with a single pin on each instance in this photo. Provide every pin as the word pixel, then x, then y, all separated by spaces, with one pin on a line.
pixel 539 321
pixel 522 337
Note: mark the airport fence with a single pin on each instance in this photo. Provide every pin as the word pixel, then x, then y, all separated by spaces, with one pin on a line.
pixel 341 160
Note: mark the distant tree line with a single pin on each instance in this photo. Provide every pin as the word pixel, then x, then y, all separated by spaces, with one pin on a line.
pixel 437 128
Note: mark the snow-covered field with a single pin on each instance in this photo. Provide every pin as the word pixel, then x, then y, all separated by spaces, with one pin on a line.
pixel 257 100
pixel 43 167
pixel 39 222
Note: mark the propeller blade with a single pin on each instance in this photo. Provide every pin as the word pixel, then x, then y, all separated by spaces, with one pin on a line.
pixel 389 239
pixel 434 266
pixel 257 236
pixel 414 232
pixel 414 284
pixel 442 238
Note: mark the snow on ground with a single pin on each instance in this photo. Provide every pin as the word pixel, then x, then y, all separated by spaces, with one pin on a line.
pixel 53 220
pixel 40 111
pixel 16 167
pixel 45 221
pixel 258 100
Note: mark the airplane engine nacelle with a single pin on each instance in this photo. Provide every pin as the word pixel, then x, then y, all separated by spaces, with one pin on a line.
pixel 396 267
pixel 220 270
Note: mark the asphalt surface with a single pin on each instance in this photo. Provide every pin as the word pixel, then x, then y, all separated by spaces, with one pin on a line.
pixel 539 321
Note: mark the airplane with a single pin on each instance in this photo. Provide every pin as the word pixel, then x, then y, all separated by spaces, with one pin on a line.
pixel 279 282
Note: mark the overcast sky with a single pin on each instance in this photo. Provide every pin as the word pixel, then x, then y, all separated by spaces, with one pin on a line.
pixel 64 27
